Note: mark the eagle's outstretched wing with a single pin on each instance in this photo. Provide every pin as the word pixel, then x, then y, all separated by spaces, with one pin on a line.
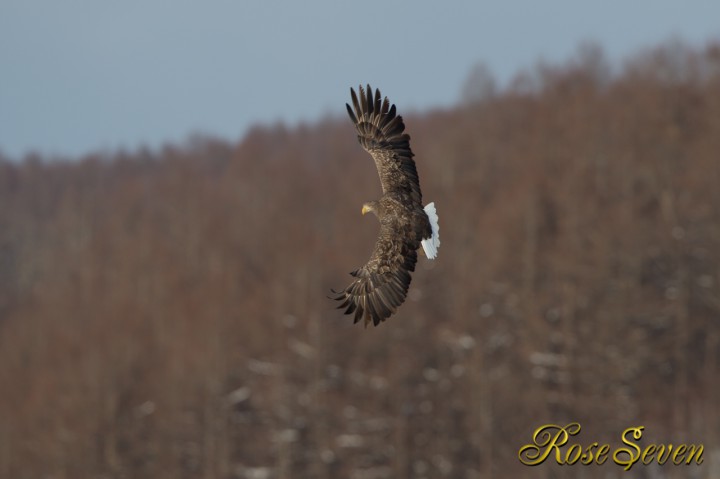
pixel 380 132
pixel 382 284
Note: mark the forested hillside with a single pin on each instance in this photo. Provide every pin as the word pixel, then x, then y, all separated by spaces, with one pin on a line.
pixel 163 313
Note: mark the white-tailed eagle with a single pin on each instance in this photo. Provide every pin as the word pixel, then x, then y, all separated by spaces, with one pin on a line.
pixel 381 286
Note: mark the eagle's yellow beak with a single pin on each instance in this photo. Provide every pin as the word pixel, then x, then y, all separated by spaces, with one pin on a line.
pixel 365 209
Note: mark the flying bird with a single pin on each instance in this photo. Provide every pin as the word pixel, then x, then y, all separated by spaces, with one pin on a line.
pixel 381 286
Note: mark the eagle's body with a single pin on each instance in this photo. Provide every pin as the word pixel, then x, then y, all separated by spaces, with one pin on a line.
pixel 381 285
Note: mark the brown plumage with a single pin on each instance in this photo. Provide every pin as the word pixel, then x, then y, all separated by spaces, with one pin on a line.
pixel 381 286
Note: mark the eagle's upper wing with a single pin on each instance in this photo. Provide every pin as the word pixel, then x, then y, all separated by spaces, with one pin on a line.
pixel 380 132
pixel 382 284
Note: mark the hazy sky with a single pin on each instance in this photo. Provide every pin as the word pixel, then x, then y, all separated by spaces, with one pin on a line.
pixel 82 75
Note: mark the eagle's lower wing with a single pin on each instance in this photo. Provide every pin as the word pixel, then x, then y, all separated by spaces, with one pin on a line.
pixel 380 132
pixel 382 284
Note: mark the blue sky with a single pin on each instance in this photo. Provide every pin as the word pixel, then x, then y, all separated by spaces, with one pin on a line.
pixel 84 75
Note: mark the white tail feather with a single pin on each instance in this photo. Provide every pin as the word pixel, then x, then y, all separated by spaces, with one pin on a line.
pixel 431 244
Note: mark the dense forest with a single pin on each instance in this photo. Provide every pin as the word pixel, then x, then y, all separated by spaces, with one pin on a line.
pixel 164 312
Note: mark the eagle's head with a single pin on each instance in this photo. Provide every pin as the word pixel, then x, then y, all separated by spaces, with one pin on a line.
pixel 370 206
